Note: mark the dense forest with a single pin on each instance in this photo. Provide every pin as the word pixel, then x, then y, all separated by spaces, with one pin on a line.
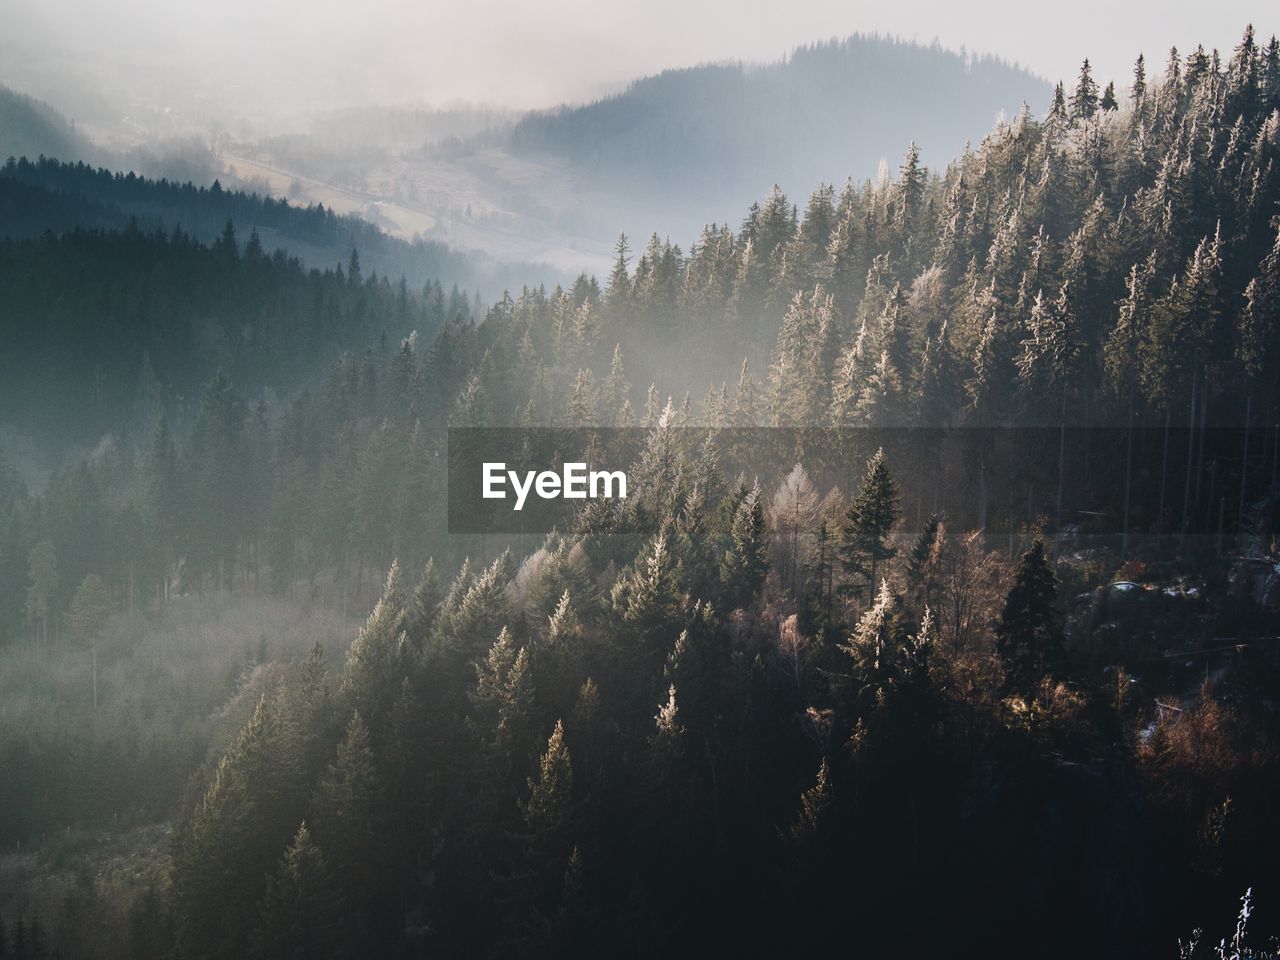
pixel 49 194
pixel 170 312
pixel 781 709
pixel 30 127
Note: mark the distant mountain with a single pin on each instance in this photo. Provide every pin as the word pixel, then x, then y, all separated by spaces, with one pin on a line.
pixel 31 128
pixel 719 135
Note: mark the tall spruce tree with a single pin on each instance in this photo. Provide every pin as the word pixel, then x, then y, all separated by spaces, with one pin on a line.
pixel 1027 631
pixel 865 537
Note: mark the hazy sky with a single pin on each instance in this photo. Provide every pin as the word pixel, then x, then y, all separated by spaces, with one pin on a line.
pixel 535 52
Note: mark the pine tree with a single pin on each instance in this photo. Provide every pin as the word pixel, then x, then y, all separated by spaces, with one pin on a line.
pixel 546 836
pixel 1138 91
pixel 911 188
pixel 375 662
pixel 1057 117
pixel 220 461
pixel 746 407
pixel 301 912
pixel 799 374
pixel 864 540
pixel 815 807
pixel 503 700
pixel 1259 324
pixel 922 550
pixel 649 599
pixel 746 560
pixel 42 569
pixel 1181 335
pixel 582 407
pixel 1121 353
pixel 1242 75
pixel 881 401
pixel 1027 631
pixel 846 263
pixel 1048 360
pixel 166 500
pixel 349 818
pixel 89 612
pixel 615 390
pixel 550 802
pixel 937 380
pixel 424 605
pixel 1084 100
pixel 794 514
pixel 876 645
pixel 229 844
pixel 1109 103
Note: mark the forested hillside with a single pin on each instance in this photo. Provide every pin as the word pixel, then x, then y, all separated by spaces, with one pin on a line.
pixel 48 194
pixel 716 134
pixel 777 711
pixel 30 127
pixel 105 327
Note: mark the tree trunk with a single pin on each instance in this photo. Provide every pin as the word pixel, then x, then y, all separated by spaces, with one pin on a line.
pixel 1244 464
pixel 1164 467
pixel 1204 415
pixel 1191 452
pixel 1128 480
pixel 982 495
pixel 1062 454
pixel 1275 456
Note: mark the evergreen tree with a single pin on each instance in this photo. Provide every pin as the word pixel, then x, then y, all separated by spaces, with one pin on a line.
pixel 1027 631
pixel 42 570
pixel 375 662
pixel 349 821
pixel 1109 103
pixel 815 807
pixel 746 560
pixel 876 644
pixel 1259 324
pixel 1181 335
pixel 301 912
pixel 922 550
pixel 615 390
pixel 581 411
pixel 546 842
pixel 873 513
pixel 746 410
pixel 1057 118
pixel 1138 91
pixel 229 844
pixel 88 614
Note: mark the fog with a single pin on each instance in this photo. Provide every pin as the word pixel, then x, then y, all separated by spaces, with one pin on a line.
pixel 942 598
pixel 244 59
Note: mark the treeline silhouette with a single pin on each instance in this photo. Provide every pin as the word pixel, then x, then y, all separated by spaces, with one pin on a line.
pixel 50 194
pixel 30 127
